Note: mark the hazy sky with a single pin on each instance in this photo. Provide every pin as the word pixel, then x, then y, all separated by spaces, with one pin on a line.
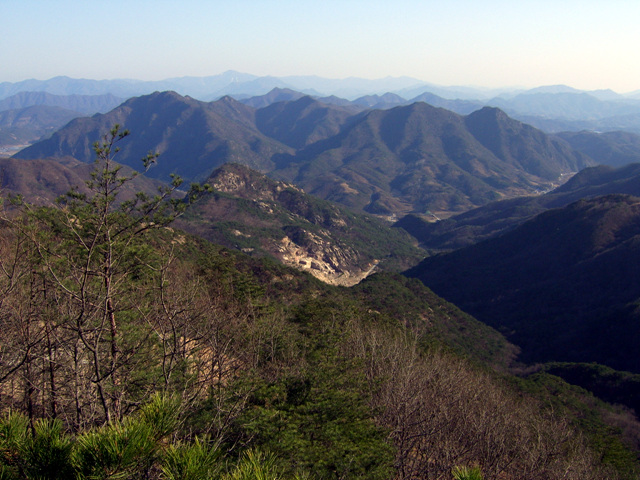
pixel 587 44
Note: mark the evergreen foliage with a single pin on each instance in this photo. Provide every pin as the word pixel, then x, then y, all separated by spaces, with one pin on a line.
pixel 466 473
pixel 319 417
pixel 192 461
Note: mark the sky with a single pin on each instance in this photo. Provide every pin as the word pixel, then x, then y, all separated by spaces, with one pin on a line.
pixel 586 44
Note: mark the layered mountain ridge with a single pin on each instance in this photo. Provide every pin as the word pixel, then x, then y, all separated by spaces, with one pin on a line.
pixel 83 104
pixel 552 108
pixel 409 158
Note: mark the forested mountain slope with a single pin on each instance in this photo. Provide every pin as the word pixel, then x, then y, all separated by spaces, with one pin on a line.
pixel 193 137
pixel 418 157
pixel 563 286
pixel 407 159
pixel 248 211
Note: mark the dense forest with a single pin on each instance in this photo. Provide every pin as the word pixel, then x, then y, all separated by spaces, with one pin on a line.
pixel 133 350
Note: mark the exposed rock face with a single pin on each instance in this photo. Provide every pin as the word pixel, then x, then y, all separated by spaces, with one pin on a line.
pixel 236 180
pixel 324 261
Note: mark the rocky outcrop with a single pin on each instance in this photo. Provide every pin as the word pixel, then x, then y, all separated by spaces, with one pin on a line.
pixel 258 215
pixel 325 261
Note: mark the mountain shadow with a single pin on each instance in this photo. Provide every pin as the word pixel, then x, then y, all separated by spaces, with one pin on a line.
pixel 563 286
pixel 498 217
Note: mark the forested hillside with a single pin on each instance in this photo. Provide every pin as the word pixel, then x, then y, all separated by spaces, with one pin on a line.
pixel 133 350
pixel 411 158
pixel 574 268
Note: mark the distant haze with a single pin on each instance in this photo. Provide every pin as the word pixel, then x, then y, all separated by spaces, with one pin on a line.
pixel 588 44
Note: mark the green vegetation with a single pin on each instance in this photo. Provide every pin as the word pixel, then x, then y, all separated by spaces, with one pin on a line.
pixel 135 448
pixel 132 350
pixel 466 473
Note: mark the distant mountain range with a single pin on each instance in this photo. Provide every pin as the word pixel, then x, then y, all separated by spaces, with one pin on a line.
pixel 553 108
pixel 212 87
pixel 82 104
pixel 410 158
pixel 609 148
pixel 27 117
pixel 23 126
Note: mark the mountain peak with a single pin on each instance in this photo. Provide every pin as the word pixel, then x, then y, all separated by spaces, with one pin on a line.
pixel 160 97
pixel 493 113
pixel 386 100
pixel 552 89
pixel 522 145
pixel 275 95
pixel 166 94
pixel 229 100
